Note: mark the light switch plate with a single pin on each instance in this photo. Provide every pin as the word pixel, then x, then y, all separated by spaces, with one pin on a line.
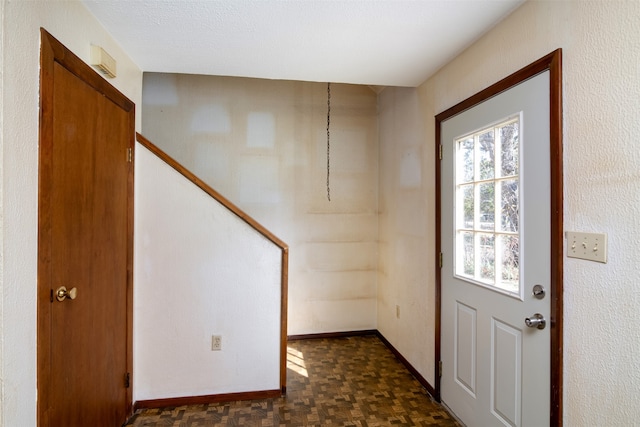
pixel 589 246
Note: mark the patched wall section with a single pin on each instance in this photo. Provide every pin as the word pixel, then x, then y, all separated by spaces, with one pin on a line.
pixel 263 145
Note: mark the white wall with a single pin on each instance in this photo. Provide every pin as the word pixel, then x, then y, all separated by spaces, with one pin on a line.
pixel 200 271
pixel 262 144
pixel 601 64
pixel 71 23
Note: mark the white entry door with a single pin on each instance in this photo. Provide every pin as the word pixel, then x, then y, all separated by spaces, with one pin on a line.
pixel 495 231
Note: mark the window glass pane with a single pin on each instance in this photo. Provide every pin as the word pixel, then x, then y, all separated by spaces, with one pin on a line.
pixel 465 159
pixel 510 207
pixel 468 254
pixel 468 203
pixel 510 251
pixel 486 153
pixel 509 138
pixel 487 206
pixel 487 257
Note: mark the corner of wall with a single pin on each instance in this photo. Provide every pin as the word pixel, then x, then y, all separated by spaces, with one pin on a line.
pixel 2 26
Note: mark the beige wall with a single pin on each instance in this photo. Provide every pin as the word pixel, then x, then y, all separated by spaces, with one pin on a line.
pixel 71 23
pixel 601 54
pixel 262 144
pixel 406 260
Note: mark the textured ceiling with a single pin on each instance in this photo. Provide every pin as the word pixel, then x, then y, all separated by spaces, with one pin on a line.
pixel 373 42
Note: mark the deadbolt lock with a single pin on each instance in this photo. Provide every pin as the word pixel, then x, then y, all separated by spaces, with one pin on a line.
pixel 539 292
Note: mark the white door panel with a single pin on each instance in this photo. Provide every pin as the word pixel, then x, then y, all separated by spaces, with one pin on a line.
pixel 465 348
pixel 496 370
pixel 506 372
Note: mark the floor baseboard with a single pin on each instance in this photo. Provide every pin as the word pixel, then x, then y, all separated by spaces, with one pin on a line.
pixel 203 400
pixel 325 335
pixel 408 365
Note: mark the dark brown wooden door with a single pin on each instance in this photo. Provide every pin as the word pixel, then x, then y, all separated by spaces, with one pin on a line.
pixel 85 243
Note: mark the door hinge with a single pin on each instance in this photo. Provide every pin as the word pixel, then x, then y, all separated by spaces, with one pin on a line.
pixel 440 151
pixel 129 154
pixel 440 368
pixel 127 380
pixel 440 260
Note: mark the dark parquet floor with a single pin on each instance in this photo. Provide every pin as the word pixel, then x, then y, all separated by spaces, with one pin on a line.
pixel 353 381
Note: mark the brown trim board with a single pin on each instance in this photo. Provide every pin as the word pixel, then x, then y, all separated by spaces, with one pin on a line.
pixel 323 335
pixel 204 400
pixel 553 63
pixel 284 280
pixel 209 190
pixel 408 365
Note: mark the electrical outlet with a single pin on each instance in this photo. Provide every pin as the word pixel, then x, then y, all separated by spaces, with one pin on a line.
pixel 397 311
pixel 216 342
pixel 589 246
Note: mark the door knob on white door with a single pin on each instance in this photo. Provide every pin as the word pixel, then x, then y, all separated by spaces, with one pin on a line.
pixel 536 321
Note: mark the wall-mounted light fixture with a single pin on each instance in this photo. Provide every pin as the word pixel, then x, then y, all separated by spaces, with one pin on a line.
pixel 103 61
